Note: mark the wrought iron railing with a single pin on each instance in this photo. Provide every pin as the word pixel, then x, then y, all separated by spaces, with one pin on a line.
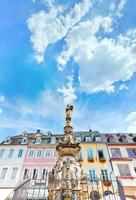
pixel 30 190
pixel 96 189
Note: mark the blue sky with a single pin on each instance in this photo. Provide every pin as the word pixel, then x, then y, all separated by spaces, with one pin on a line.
pixel 62 52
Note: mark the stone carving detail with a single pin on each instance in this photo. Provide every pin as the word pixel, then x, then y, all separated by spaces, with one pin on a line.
pixel 66 174
pixel 65 178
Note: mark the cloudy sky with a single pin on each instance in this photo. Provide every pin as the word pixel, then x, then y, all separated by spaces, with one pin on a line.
pixel 58 52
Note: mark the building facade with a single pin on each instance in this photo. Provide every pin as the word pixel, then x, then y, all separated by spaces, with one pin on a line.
pixel 40 157
pixel 122 149
pixel 104 157
pixel 95 162
pixel 12 153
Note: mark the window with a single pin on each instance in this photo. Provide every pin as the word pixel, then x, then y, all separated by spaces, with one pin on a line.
pixel 131 153
pixel 80 155
pixel 88 139
pixel 26 174
pixel 31 153
pixel 100 154
pixel 53 140
pixel 20 153
pixel 35 173
pixel 109 138
pixel 7 141
pixel 24 140
pixel 55 153
pixel 124 170
pixel 48 140
pixel 44 174
pixel 11 153
pixel 39 153
pixel 3 173
pixel 90 153
pixel 92 175
pixel 115 153
pixel 120 139
pixel 104 174
pixel 38 140
pixel 78 139
pixel 1 153
pixel 134 139
pixel 14 173
pixel 97 138
pixel 47 153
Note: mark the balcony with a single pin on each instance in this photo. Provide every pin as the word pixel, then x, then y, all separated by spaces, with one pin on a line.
pixel 107 183
pixel 90 159
pixel 102 159
pixel 80 159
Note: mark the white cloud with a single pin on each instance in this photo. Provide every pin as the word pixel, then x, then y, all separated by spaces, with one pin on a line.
pixel 1 111
pixel 131 117
pixel 48 104
pixel 102 61
pixel 68 92
pixel 46 112
pixel 82 39
pixel 120 7
pixel 49 27
pixel 123 87
pixel 46 2
pixel 112 6
pixel 131 120
pixel 2 98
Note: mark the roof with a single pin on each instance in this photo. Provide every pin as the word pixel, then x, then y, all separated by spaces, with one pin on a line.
pixel 112 138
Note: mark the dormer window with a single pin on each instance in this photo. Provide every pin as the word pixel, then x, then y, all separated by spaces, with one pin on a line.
pixel 97 139
pixel 109 138
pixel 48 140
pixel 53 140
pixel 78 139
pixel 134 139
pixel 24 140
pixel 122 138
pixel 38 140
pixel 88 139
pixel 7 141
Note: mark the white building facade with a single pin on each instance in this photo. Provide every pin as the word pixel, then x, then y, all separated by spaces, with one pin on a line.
pixel 11 161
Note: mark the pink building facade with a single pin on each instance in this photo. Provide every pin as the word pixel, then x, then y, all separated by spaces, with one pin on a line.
pixel 38 161
pixel 40 157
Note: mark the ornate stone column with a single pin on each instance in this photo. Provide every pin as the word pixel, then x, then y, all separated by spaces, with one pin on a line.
pixel 65 180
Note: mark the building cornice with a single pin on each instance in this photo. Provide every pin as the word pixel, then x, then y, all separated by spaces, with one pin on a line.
pixel 121 144
pixel 122 159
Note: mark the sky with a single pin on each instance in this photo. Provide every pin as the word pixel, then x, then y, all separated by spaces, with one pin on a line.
pixel 58 52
